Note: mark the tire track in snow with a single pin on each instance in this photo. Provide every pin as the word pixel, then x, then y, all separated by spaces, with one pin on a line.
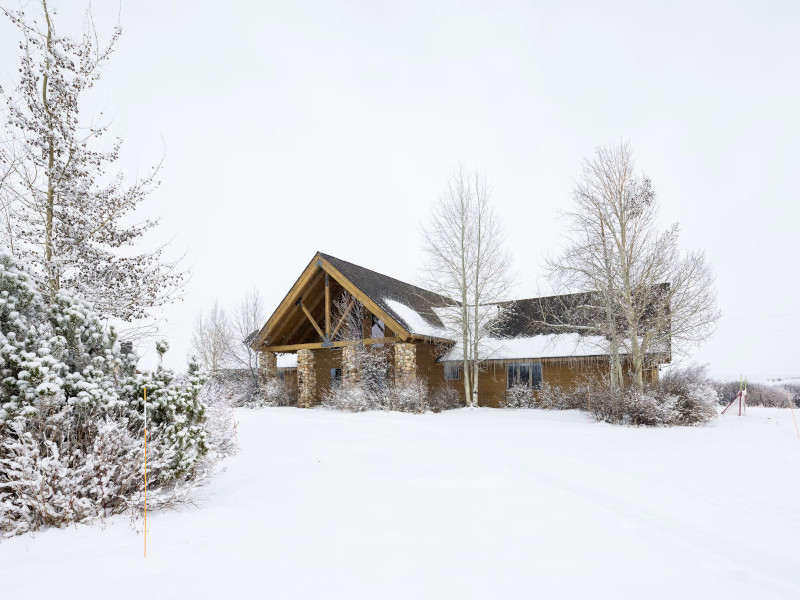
pixel 764 568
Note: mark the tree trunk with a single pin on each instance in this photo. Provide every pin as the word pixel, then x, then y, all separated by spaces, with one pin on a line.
pixel 51 272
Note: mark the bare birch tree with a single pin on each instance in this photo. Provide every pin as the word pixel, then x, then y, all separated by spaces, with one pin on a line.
pixel 248 316
pixel 466 260
pixel 647 297
pixel 211 338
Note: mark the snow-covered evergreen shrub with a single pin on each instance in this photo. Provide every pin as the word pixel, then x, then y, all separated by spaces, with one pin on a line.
pixel 71 426
pixel 175 419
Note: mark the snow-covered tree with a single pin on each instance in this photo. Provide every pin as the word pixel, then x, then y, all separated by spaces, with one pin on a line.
pixel 66 214
pixel 465 259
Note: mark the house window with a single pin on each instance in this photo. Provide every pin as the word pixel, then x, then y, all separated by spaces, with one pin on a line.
pixel 378 328
pixel 452 371
pixel 528 374
pixel 336 375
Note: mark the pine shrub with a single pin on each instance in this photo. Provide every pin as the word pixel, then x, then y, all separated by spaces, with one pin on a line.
pixel 71 414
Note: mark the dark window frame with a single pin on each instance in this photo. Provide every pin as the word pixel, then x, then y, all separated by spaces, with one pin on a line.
pixel 448 371
pixel 527 374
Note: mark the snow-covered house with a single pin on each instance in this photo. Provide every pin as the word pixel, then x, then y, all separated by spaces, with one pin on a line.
pixel 304 341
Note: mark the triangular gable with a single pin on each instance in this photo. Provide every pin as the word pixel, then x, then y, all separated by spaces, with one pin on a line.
pixel 410 305
pixel 286 315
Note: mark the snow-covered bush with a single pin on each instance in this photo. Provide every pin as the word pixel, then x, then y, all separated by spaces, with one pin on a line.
pixel 793 389
pixel 411 396
pixel 71 422
pixel 369 390
pixel 758 394
pixel 548 396
pixel 696 399
pixel 236 387
pixel 353 398
pixel 628 406
pixel 556 397
pixel 275 393
pixel 683 396
pixel 444 398
pixel 520 396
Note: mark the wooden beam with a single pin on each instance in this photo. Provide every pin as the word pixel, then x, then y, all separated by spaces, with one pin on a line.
pixel 339 344
pixel 401 331
pixel 327 308
pixel 313 269
pixel 296 325
pixel 310 318
pixel 344 317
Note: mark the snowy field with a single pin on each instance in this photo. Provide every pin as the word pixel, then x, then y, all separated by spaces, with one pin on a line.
pixel 465 504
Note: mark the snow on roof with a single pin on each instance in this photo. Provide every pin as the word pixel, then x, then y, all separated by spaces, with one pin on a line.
pixel 379 287
pixel 414 322
pixel 287 361
pixel 564 345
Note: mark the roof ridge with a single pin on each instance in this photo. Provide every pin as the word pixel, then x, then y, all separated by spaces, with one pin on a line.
pixel 352 264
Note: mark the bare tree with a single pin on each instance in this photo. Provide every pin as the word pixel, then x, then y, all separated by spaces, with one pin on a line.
pixel 67 215
pixel 211 338
pixel 248 316
pixel 647 297
pixel 466 260
pixel 348 315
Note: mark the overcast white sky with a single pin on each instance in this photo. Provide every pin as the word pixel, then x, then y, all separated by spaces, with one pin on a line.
pixel 292 127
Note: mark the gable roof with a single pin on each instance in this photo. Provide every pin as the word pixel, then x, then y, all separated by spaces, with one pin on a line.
pixel 410 305
pixel 549 326
pixel 407 309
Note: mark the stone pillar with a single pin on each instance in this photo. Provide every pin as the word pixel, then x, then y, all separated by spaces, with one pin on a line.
pixel 306 379
pixel 267 367
pixel 405 363
pixel 351 368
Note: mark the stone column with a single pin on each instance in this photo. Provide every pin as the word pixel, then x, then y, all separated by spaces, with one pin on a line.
pixel 351 368
pixel 267 367
pixel 405 363
pixel 306 379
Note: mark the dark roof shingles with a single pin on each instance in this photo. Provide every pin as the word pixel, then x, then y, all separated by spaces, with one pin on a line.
pixel 379 288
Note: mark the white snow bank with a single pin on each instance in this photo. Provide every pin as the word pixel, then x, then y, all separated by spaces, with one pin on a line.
pixel 564 345
pixel 415 322
pixel 464 504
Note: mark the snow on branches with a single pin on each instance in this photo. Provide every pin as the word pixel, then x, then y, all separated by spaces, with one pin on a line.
pixel 71 418
pixel 64 208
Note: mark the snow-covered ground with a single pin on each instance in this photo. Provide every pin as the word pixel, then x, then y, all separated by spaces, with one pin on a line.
pixel 464 504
